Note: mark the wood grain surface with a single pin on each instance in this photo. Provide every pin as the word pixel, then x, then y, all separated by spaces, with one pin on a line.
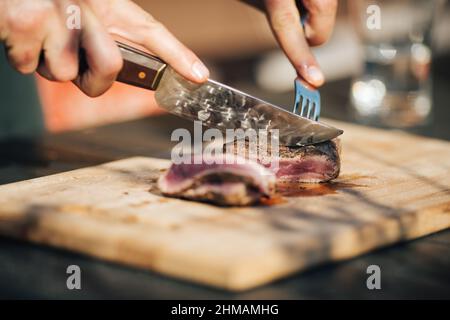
pixel 393 187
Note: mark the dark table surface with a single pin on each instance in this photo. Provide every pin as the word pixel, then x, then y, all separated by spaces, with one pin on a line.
pixel 417 269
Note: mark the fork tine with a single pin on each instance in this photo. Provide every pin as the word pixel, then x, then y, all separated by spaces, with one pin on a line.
pixel 297 102
pixel 297 98
pixel 304 105
pixel 310 107
pixel 312 110
pixel 317 111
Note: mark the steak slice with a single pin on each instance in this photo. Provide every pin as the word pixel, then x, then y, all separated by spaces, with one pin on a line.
pixel 224 179
pixel 308 164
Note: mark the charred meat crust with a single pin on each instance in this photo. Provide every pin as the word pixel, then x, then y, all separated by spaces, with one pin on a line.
pixel 329 148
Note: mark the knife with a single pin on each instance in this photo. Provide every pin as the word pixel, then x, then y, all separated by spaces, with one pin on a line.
pixel 215 104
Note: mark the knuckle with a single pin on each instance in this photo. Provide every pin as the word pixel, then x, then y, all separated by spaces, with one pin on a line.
pixel 93 91
pixel 116 65
pixel 111 67
pixel 275 3
pixel 25 68
pixel 317 39
pixel 284 20
pixel 27 16
pixel 66 73
pixel 149 20
pixel 24 61
pixel 154 25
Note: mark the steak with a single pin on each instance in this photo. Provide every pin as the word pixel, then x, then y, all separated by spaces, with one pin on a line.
pixel 224 179
pixel 241 178
pixel 308 164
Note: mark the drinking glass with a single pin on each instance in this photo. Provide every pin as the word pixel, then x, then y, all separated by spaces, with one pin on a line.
pixel 393 87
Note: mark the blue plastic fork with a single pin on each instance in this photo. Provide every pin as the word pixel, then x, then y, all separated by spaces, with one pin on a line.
pixel 307 100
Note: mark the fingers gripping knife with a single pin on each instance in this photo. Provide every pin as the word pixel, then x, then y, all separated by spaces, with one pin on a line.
pixel 215 104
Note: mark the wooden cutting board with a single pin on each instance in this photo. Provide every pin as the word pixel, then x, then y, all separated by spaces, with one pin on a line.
pixel 393 187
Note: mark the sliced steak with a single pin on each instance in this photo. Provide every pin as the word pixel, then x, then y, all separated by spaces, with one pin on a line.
pixel 308 164
pixel 226 180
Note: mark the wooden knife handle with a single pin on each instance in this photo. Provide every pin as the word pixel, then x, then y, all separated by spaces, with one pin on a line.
pixel 140 69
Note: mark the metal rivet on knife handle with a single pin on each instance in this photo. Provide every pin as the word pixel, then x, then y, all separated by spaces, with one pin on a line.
pixel 140 68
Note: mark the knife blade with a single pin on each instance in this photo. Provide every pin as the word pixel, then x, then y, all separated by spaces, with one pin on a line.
pixel 223 107
pixel 218 105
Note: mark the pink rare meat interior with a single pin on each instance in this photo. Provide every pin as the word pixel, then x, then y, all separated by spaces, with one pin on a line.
pixel 222 179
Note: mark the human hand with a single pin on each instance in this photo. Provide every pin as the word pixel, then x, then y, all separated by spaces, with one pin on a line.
pixel 37 38
pixel 295 40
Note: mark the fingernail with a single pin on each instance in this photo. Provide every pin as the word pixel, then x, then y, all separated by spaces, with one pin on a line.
pixel 315 75
pixel 199 70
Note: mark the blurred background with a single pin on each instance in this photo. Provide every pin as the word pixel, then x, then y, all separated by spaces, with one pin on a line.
pixel 381 78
